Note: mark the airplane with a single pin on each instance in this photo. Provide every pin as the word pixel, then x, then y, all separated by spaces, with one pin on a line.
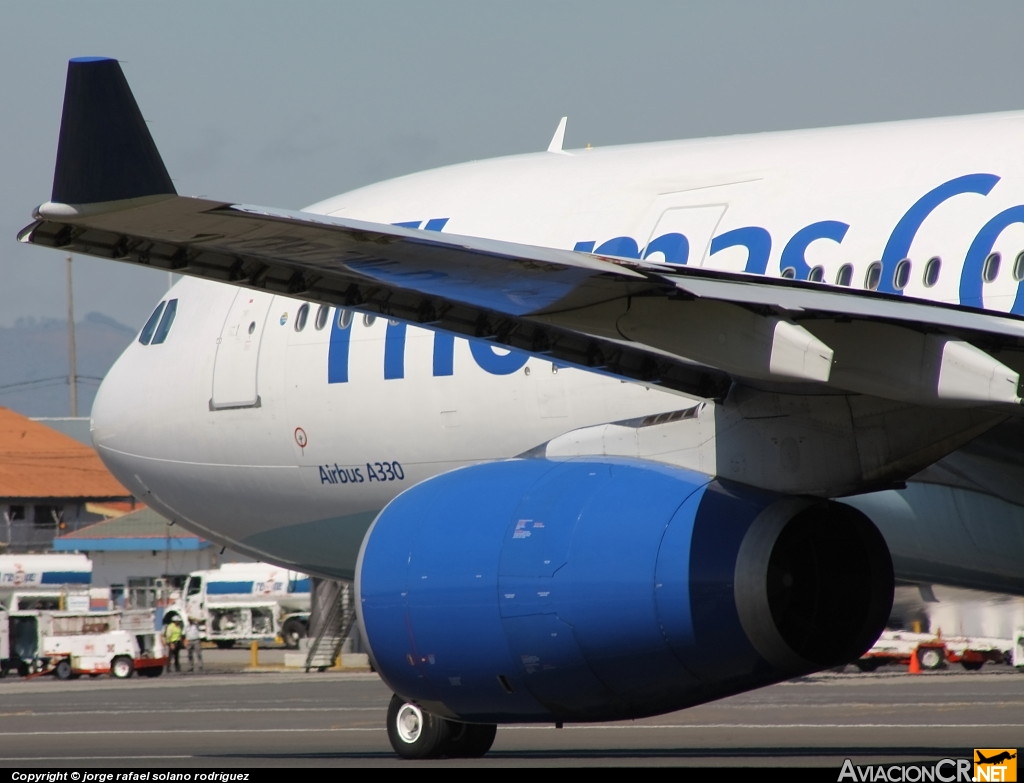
pixel 598 434
pixel 1003 756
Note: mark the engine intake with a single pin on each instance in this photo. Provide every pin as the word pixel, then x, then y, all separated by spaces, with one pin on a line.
pixel 608 588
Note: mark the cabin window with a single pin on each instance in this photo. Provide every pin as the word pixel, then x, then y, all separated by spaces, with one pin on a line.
pixel 816 275
pixel 873 276
pixel 931 271
pixel 845 275
pixel 301 317
pixel 901 276
pixel 789 273
pixel 991 268
pixel 1018 267
pixel 344 318
pixel 369 320
pixel 322 314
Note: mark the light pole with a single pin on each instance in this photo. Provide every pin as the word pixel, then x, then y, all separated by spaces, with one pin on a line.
pixel 72 360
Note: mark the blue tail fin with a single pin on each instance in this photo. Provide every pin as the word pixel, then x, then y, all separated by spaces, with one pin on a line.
pixel 105 152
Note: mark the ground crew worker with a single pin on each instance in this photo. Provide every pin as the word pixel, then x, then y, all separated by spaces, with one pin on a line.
pixel 172 636
pixel 194 645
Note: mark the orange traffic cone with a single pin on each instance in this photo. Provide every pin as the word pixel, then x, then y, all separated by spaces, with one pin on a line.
pixel 915 663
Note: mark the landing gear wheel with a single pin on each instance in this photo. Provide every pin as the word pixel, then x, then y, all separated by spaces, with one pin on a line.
pixel 122 667
pixel 292 631
pixel 62 671
pixel 415 734
pixel 470 740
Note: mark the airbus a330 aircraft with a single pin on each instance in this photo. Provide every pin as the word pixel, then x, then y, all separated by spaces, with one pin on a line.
pixel 599 434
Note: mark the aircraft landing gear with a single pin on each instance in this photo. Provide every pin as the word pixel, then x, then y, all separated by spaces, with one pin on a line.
pixel 417 734
pixel 470 740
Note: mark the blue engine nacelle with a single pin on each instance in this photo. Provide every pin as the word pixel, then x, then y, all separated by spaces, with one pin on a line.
pixel 601 589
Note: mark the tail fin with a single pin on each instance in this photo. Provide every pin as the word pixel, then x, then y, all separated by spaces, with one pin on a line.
pixel 105 152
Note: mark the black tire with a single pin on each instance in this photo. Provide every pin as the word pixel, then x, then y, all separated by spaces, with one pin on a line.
pixel 62 671
pixel 122 667
pixel 151 671
pixel 867 664
pixel 293 630
pixel 470 740
pixel 972 666
pixel 224 644
pixel 414 733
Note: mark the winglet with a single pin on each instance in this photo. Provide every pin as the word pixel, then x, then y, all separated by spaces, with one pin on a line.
pixel 105 151
pixel 558 138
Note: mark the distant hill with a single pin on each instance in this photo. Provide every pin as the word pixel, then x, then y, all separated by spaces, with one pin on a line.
pixel 34 362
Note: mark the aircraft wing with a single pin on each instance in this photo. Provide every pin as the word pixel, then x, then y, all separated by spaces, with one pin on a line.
pixel 688 329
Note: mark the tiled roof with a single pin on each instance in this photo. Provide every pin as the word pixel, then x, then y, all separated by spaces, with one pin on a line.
pixel 37 462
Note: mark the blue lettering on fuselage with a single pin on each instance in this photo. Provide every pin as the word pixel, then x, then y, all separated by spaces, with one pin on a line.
pixel 898 246
pixel 674 247
pixel 492 359
pixel 793 255
pixel 758 242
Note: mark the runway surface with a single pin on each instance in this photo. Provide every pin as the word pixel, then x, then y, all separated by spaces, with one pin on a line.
pixel 256 720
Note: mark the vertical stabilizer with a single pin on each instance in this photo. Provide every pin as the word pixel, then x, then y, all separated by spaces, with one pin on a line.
pixel 105 151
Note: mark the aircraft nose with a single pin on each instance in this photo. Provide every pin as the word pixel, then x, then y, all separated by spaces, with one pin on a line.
pixel 117 425
pixel 137 415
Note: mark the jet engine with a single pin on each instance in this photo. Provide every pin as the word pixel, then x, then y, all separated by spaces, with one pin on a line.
pixel 592 589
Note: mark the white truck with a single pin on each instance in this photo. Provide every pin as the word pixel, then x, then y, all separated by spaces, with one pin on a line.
pixel 70 644
pixel 57 582
pixel 241 602
pixel 118 643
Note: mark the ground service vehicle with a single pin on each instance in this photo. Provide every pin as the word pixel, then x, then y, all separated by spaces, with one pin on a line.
pixel 69 644
pixel 56 582
pixel 934 651
pixel 114 643
pixel 241 602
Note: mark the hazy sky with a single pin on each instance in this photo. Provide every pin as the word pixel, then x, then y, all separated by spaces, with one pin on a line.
pixel 284 104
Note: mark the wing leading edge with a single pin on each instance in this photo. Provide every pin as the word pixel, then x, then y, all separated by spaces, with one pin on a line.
pixel 688 329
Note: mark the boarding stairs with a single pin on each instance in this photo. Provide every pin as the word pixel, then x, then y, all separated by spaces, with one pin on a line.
pixel 326 643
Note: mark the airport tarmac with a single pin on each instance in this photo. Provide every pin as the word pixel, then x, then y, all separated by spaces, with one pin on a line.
pixel 233 718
